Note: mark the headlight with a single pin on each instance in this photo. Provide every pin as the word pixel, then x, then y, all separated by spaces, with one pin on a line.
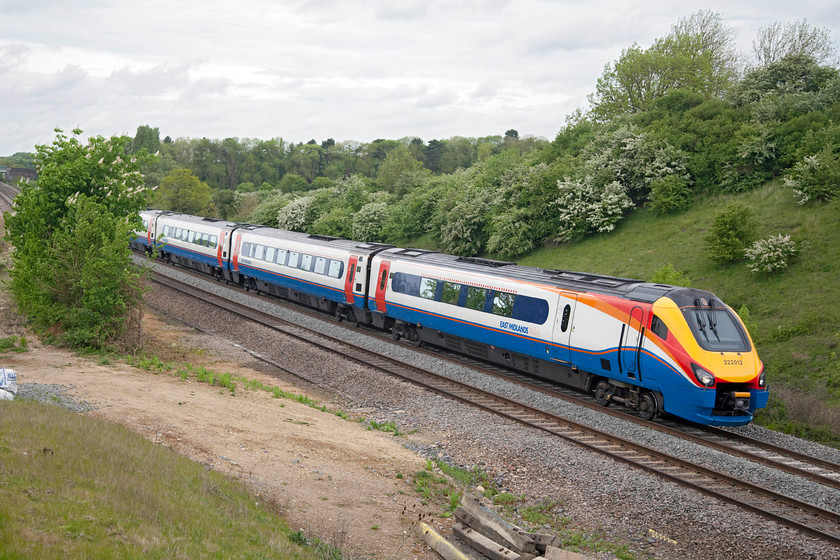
pixel 703 376
pixel 762 381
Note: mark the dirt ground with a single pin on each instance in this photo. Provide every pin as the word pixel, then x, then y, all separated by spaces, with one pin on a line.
pixel 331 477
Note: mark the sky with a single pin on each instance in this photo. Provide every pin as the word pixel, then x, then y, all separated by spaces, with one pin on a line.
pixel 315 69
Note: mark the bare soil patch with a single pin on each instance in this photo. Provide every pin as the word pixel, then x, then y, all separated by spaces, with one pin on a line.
pixel 331 477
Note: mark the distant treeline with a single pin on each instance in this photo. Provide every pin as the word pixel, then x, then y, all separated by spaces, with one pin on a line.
pixel 687 117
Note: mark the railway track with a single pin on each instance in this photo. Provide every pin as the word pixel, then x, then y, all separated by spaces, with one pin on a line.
pixel 7 195
pixel 804 517
pixel 777 457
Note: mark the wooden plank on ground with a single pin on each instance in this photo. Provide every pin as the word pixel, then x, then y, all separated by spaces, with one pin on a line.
pixel 484 545
pixel 440 545
pixel 476 514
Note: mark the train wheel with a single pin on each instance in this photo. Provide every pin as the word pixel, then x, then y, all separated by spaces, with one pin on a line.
pixel 396 331
pixel 339 313
pixel 602 393
pixel 647 406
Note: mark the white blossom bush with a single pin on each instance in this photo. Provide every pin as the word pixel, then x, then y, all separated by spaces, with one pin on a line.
pixel 369 221
pixel 585 208
pixel 293 215
pixel 634 159
pixel 463 232
pixel 772 254
pixel 816 177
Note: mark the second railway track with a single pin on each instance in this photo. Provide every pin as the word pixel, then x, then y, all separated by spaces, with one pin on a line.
pixel 804 517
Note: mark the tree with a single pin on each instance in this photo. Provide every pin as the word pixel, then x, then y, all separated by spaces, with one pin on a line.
pixel 698 56
pixel 399 161
pixel 147 138
pixel 181 191
pixel 72 274
pixel 777 41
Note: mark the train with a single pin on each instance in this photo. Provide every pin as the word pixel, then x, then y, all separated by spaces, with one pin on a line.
pixel 654 348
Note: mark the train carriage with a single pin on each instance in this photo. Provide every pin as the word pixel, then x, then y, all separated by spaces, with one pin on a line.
pixel 144 240
pixel 631 342
pixel 200 243
pixel 324 272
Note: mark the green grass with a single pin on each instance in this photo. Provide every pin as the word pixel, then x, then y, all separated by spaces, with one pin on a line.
pixel 13 344
pixel 77 487
pixel 796 313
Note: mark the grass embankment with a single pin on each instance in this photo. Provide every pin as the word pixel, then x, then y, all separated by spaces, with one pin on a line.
pixel 794 316
pixel 75 487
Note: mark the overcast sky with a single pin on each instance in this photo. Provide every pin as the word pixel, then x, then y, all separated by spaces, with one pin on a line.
pixel 318 69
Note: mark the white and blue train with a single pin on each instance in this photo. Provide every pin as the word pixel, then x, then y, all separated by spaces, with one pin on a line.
pixel 650 347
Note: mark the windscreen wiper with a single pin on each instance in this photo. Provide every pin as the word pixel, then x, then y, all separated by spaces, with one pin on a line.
pixel 712 315
pixel 701 323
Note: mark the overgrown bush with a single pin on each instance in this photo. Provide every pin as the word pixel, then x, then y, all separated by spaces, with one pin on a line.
pixel 512 235
pixel 732 231
pixel 772 254
pixel 816 177
pixel 669 194
pixel 667 274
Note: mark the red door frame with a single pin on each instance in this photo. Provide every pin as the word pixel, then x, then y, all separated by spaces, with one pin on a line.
pixel 382 285
pixel 349 278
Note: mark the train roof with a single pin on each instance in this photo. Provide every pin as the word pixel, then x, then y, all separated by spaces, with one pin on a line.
pixel 637 290
pixel 360 247
pixel 189 218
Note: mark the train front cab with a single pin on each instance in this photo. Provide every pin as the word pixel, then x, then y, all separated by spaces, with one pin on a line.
pixel 710 371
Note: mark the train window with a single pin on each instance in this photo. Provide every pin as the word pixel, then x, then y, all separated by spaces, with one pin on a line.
pixel 166 231
pixel 408 284
pixel 530 309
pixel 259 253
pixel 428 287
pixel 335 268
pixel 476 298
pixel 191 237
pixel 306 262
pixel 383 280
pixel 567 313
pixel 214 240
pixel 205 239
pixel 503 304
pixel 294 259
pixel 184 234
pixel 451 293
pixel 252 247
pixel 658 327
pixel 320 265
pixel 270 254
pixel 281 256
pixel 715 328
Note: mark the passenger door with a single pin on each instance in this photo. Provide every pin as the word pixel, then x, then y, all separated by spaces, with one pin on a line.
pixel 564 325
pixel 632 336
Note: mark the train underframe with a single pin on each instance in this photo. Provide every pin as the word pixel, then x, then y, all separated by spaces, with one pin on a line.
pixel 607 391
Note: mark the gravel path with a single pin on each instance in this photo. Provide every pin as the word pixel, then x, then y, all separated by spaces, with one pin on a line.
pixel 603 498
